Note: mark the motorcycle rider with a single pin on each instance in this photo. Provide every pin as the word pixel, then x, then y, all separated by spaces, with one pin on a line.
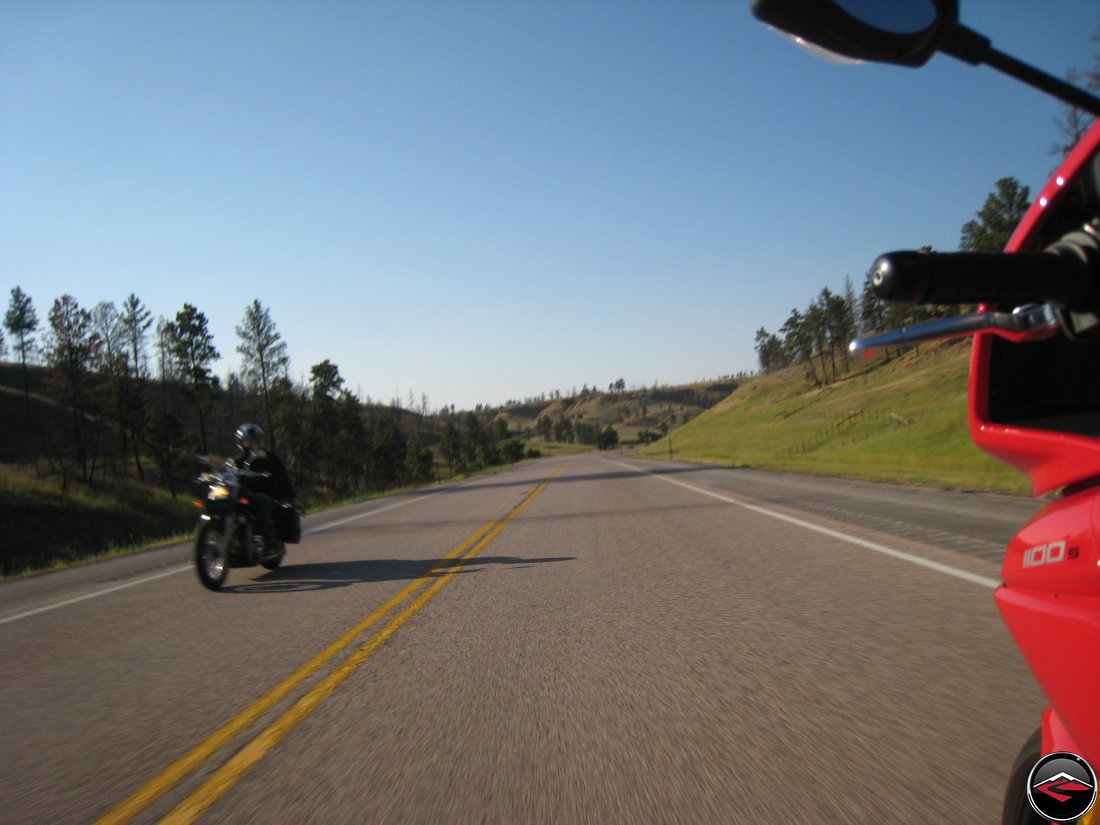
pixel 266 492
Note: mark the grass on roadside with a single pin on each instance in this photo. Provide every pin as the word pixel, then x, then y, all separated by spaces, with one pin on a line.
pixel 48 529
pixel 904 421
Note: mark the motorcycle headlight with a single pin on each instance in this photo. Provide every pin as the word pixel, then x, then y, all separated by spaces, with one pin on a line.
pixel 218 491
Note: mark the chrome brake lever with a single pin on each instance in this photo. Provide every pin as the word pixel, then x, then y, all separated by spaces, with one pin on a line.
pixel 1034 322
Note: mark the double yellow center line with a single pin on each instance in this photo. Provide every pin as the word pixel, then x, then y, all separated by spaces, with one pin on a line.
pixel 225 777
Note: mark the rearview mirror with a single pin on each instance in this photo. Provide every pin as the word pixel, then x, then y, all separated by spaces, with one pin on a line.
pixel 905 32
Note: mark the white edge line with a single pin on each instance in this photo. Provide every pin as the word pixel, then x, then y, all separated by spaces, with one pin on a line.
pixel 93 595
pixel 869 545
pixel 146 579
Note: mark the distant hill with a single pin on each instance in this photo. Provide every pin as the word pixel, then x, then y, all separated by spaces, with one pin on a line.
pixel 903 421
pixel 631 412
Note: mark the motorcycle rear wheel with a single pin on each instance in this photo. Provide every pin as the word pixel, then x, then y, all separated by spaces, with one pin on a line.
pixel 272 562
pixel 211 563
pixel 1017 808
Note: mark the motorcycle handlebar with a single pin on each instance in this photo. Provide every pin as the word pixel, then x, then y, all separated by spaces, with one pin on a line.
pixel 1062 274
pixel 239 472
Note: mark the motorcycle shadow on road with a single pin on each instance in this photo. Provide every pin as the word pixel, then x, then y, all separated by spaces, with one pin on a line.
pixel 296 578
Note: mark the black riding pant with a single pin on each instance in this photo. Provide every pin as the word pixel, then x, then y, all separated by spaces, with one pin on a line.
pixel 263 507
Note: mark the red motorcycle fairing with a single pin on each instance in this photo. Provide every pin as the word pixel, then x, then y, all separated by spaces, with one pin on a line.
pixel 1059 635
pixel 1056 552
pixel 1050 602
pixel 1056 737
pixel 1054 450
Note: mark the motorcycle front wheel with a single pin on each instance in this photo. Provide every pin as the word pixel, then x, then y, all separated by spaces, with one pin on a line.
pixel 1017 808
pixel 211 560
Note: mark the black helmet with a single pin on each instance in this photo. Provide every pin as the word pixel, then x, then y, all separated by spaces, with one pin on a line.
pixel 249 436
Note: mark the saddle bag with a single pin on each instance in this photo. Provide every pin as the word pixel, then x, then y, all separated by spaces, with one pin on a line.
pixel 288 524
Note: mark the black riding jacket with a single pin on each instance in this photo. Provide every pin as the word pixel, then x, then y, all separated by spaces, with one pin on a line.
pixel 278 486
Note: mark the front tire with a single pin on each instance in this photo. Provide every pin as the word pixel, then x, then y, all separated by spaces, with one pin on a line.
pixel 211 558
pixel 1017 807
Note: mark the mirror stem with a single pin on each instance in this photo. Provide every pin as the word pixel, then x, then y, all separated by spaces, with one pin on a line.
pixel 970 47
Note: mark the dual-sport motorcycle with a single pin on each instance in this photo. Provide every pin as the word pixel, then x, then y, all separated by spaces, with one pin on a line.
pixel 228 534
pixel 1034 389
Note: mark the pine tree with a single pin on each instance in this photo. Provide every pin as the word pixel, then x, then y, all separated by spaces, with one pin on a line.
pixel 21 321
pixel 72 349
pixel 193 351
pixel 263 356
pixel 997 219
pixel 135 320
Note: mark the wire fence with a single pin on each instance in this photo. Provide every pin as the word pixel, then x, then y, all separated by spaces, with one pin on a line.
pixel 843 428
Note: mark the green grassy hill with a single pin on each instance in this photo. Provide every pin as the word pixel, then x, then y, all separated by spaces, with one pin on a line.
pixel 901 421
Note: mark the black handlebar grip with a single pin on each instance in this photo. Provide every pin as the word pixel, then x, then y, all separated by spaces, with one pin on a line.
pixel 1062 274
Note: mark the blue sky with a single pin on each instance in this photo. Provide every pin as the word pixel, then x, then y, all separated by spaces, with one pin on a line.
pixel 481 201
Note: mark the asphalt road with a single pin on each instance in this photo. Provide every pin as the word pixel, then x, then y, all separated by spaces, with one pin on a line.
pixel 594 639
